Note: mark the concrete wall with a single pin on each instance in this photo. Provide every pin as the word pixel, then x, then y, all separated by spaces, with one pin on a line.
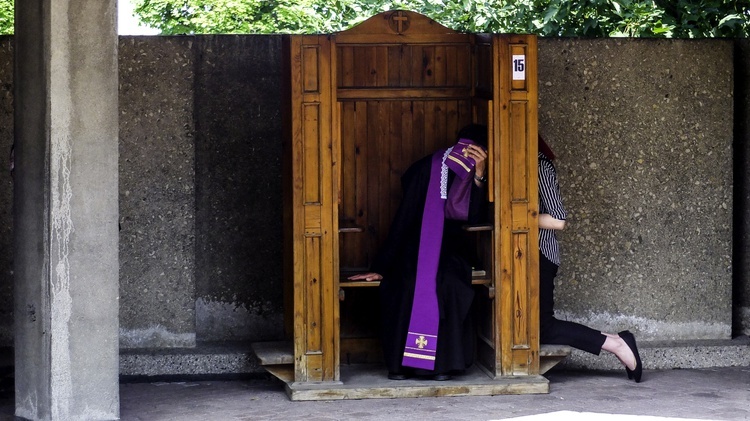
pixel 6 191
pixel 643 130
pixel 238 188
pixel 157 192
pixel 742 185
pixel 200 190
pixel 644 133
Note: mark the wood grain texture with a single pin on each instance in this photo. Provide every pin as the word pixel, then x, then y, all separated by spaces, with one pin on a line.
pixel 517 198
pixel 360 107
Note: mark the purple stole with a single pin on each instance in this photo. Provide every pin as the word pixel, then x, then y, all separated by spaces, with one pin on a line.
pixel 421 340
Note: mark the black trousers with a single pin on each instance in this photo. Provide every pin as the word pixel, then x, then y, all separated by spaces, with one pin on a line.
pixel 561 332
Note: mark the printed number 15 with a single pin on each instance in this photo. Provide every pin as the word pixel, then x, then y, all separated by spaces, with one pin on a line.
pixel 518 65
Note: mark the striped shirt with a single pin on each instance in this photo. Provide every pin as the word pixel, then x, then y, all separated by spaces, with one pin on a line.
pixel 550 202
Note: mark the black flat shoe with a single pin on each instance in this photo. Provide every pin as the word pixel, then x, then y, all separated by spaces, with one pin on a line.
pixel 630 342
pixel 393 375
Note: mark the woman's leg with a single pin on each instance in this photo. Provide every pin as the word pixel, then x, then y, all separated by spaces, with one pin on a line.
pixel 554 331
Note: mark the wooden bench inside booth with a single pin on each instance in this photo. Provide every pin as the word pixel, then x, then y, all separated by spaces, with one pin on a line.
pixel 479 276
pixel 359 107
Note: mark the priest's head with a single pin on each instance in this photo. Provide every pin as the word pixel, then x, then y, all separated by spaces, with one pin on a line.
pixel 475 132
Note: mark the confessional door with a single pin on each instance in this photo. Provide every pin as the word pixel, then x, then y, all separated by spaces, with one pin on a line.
pixel 360 107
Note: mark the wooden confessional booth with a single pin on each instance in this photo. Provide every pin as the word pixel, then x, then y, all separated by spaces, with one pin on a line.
pixel 360 106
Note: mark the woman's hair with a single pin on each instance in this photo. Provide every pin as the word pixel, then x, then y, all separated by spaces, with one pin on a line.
pixel 475 132
pixel 545 149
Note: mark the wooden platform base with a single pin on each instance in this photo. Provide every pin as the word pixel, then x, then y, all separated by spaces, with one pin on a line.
pixel 369 381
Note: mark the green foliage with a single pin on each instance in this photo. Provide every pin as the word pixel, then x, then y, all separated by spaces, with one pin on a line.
pixel 6 17
pixel 707 18
pixel 590 18
pixel 250 16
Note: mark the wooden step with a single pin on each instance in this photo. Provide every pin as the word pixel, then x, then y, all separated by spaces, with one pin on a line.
pixel 274 353
pixel 277 358
pixel 551 355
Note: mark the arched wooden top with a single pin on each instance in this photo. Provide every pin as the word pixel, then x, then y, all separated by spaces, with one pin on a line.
pixel 399 26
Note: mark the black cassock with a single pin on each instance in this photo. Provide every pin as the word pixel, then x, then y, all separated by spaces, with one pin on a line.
pixel 397 262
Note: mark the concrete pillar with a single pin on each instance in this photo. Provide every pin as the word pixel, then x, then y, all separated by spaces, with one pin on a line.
pixel 66 210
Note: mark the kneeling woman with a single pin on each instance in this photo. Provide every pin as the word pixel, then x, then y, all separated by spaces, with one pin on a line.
pixel 552 216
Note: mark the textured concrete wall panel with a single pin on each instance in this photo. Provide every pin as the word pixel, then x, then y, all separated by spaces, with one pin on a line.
pixel 238 188
pixel 643 133
pixel 157 192
pixel 6 192
pixel 742 199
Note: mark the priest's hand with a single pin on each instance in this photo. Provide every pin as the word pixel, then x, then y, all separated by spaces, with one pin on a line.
pixel 479 155
pixel 372 276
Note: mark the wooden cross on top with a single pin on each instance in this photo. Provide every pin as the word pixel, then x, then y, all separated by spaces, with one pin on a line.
pixel 400 22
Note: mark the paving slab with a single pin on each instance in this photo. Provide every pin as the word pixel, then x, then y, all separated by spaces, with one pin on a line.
pixel 695 394
pixel 709 394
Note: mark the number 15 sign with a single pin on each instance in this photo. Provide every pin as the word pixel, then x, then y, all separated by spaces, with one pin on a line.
pixel 519 67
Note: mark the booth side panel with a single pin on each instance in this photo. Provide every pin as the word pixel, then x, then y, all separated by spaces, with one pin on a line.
pixel 528 45
pixel 313 210
pixel 516 92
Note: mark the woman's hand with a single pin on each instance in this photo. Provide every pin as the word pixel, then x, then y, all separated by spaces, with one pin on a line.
pixel 371 276
pixel 549 222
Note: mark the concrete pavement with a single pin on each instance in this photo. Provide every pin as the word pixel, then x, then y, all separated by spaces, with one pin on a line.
pixel 711 394
pixel 716 394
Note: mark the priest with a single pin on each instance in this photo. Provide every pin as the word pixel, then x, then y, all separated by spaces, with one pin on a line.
pixel 425 263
